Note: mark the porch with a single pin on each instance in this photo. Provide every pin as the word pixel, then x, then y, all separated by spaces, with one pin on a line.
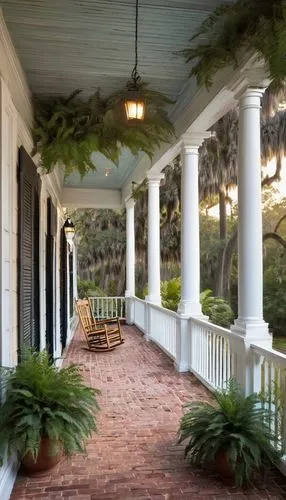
pixel 134 455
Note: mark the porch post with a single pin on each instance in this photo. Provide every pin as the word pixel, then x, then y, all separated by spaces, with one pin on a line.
pixel 250 321
pixel 250 326
pixel 130 249
pixel 190 232
pixel 154 258
pixel 130 261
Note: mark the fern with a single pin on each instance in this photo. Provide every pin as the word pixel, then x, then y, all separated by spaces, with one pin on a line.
pixel 247 25
pixel 68 131
pixel 237 425
pixel 42 400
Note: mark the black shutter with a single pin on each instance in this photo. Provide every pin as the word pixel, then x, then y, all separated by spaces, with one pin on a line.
pixel 63 287
pixel 50 275
pixel 28 257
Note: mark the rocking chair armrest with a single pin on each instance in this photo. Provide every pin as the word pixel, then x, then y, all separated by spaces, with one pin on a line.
pixel 94 332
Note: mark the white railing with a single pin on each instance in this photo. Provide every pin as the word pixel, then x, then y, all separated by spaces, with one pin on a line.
pixel 139 314
pixel 211 356
pixel 215 354
pixel 163 328
pixel 108 307
pixel 270 379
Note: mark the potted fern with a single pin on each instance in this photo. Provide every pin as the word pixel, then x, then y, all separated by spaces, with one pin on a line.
pixel 233 435
pixel 47 412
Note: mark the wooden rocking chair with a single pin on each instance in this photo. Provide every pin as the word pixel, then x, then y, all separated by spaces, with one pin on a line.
pixel 111 323
pixel 98 339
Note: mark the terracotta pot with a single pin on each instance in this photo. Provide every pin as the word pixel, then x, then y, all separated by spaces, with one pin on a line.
pixel 44 461
pixel 223 467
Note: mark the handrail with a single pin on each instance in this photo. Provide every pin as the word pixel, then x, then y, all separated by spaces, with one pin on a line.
pixel 220 330
pixel 139 300
pixel 163 309
pixel 272 354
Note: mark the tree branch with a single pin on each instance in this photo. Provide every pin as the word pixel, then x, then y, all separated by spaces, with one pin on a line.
pixel 267 181
pixel 278 223
pixel 276 237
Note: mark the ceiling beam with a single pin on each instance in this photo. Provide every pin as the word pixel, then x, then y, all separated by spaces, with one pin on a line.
pixel 90 198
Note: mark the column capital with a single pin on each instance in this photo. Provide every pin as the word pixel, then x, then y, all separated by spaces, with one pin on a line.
pixel 251 98
pixel 130 203
pixel 254 76
pixel 154 179
pixel 191 141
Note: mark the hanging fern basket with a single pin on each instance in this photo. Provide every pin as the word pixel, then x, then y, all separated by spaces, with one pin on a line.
pixel 68 130
pixel 247 25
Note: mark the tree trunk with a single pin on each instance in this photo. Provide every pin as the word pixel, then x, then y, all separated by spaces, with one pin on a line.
pixel 223 280
pixel 227 264
pixel 121 282
pixel 222 213
pixel 102 274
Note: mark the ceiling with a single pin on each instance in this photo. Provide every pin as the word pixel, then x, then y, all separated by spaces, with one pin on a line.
pixel 65 45
pixel 107 175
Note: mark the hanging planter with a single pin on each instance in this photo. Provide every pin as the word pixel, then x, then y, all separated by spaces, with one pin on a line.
pixel 247 25
pixel 68 130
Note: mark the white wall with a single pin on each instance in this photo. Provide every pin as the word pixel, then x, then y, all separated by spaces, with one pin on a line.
pixel 8 228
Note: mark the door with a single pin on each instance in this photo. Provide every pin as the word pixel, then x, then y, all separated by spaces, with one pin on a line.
pixel 29 184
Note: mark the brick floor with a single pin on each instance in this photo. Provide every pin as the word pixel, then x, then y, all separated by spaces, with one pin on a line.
pixel 134 455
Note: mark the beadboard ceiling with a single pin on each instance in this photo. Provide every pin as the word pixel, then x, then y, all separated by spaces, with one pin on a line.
pixel 65 45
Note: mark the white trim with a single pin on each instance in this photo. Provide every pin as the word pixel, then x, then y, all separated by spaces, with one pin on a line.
pixel 8 162
pixel 8 474
pixel 91 198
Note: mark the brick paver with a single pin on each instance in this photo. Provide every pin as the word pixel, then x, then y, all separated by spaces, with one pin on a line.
pixel 134 455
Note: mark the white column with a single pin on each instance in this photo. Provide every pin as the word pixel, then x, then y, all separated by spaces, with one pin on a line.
pixel 130 249
pixel 250 321
pixel 190 231
pixel 154 258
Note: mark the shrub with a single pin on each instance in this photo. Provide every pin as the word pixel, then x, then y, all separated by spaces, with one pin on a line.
pixel 217 309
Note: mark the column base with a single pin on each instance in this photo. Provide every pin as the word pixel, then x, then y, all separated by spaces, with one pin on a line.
pixel 187 308
pixel 129 307
pixel 181 367
pixel 253 331
pixel 156 300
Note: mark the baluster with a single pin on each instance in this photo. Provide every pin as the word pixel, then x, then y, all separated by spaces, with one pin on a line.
pixel 201 349
pixel 211 358
pixel 224 361
pixel 204 353
pixel 217 361
pixel 207 355
pixel 277 394
pixel 229 362
pixel 220 362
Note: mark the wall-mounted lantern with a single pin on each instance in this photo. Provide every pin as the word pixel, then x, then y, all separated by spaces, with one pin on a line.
pixel 69 231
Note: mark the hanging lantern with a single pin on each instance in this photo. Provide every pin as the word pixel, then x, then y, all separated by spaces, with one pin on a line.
pixel 69 231
pixel 134 103
pixel 134 106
